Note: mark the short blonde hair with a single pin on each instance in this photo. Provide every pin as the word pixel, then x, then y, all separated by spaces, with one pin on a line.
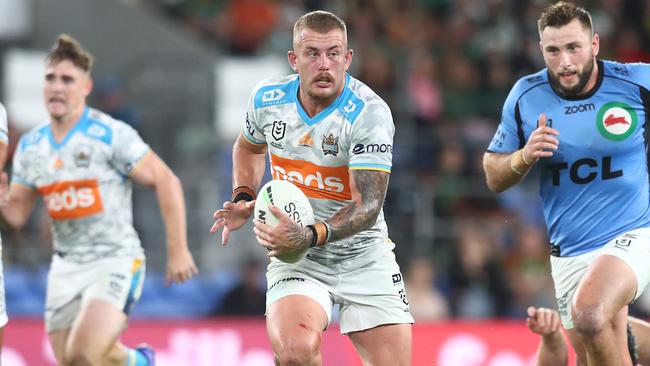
pixel 68 48
pixel 320 21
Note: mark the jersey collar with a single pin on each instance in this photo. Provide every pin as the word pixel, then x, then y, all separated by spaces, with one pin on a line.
pixel 310 121
pixel 78 126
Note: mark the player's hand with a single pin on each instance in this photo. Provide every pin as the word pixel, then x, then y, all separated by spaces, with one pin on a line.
pixel 286 237
pixel 543 321
pixel 231 217
pixel 180 266
pixel 542 142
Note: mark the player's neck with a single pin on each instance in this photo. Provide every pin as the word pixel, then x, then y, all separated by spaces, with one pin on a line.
pixel 62 125
pixel 593 79
pixel 313 106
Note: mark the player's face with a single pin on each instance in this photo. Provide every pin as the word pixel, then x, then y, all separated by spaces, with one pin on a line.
pixel 65 91
pixel 570 53
pixel 321 61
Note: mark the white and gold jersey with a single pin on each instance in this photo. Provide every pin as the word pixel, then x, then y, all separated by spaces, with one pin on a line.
pixel 84 181
pixel 317 153
pixel 4 139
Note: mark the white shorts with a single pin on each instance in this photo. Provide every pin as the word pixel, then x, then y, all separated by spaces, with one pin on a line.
pixel 114 280
pixel 632 247
pixel 369 296
pixel 3 306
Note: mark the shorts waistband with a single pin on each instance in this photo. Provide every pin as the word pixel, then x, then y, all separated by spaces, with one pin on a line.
pixel 555 250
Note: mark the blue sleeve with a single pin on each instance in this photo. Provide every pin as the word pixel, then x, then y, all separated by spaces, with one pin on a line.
pixel 506 138
pixel 640 73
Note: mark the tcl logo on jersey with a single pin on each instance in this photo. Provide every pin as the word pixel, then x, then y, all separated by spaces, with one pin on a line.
pixel 72 199
pixel 314 180
pixel 583 171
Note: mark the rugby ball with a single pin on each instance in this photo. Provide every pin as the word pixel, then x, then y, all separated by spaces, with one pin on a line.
pixel 290 199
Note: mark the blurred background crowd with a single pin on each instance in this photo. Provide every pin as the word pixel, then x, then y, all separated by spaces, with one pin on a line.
pixel 180 72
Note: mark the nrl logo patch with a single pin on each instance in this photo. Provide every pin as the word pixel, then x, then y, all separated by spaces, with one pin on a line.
pixel 278 130
pixel 616 121
pixel 330 145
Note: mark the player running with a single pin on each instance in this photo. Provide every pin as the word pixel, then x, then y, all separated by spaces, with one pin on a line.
pixel 82 163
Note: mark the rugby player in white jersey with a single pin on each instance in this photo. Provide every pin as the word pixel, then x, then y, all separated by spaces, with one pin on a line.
pixel 4 140
pixel 82 162
pixel 332 136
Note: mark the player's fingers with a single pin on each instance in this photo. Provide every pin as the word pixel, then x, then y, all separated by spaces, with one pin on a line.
pixel 541 318
pixel 278 213
pixel 531 311
pixel 225 234
pixel 262 235
pixel 555 322
pixel 218 224
pixel 250 204
pixel 541 121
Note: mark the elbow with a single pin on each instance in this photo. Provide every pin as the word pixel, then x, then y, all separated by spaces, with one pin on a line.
pixel 373 214
pixel 495 187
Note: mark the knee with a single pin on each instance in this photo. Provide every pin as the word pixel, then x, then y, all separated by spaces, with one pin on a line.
pixel 296 351
pixel 589 321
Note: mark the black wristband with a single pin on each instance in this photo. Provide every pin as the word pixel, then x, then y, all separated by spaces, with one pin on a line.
pixel 242 196
pixel 314 236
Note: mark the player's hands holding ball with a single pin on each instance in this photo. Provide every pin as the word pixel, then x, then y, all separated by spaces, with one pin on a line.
pixel 282 214
pixel 541 143
pixel 287 236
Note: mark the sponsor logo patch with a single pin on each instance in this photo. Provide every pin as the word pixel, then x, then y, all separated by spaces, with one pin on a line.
pixel 72 199
pixel 616 121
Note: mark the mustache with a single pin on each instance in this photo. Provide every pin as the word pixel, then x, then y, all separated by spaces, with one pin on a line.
pixel 324 77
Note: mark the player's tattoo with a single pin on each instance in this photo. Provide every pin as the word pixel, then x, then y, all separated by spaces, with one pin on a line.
pixel 359 216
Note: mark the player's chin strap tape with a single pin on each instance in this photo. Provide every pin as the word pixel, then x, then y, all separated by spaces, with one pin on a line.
pixel 320 233
pixel 243 193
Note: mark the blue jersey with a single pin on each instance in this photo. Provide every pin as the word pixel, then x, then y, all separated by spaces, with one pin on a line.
pixel 596 185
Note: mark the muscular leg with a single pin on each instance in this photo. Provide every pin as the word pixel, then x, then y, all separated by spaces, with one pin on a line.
pixel 641 331
pixel 388 345
pixel 295 326
pixel 93 337
pixel 599 310
pixel 58 340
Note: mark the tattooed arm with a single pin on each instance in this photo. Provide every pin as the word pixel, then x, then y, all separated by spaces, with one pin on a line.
pixel 368 192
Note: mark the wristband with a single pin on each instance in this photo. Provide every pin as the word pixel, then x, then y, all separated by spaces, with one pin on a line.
pixel 523 158
pixel 320 234
pixel 243 193
pixel 314 236
pixel 518 163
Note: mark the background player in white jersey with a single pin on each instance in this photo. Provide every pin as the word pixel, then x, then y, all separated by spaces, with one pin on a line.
pixel 332 136
pixel 82 161
pixel 594 176
pixel 4 140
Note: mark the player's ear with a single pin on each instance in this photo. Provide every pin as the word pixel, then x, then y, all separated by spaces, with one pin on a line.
pixel 88 87
pixel 348 58
pixel 291 56
pixel 595 44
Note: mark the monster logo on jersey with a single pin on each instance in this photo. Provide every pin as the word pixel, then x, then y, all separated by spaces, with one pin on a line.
pixel 616 121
